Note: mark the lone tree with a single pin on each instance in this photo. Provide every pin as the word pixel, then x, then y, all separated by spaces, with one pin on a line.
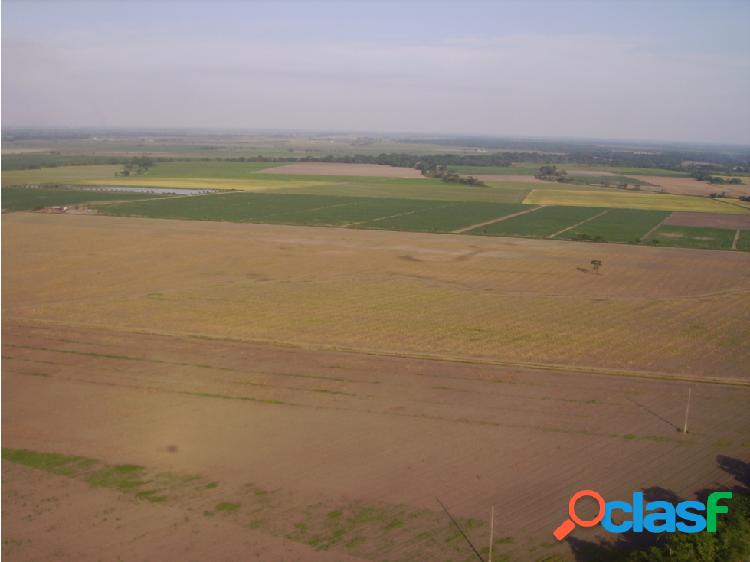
pixel 596 264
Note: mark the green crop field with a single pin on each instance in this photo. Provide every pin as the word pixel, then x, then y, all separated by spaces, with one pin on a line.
pixel 606 179
pixel 446 217
pixel 540 223
pixel 419 205
pixel 385 213
pixel 350 211
pixel 249 176
pixel 744 242
pixel 692 237
pixel 63 174
pixel 432 189
pixel 230 206
pixel 617 225
pixel 26 199
pixel 427 215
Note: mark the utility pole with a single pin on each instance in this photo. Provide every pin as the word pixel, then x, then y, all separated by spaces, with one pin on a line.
pixel 492 532
pixel 687 410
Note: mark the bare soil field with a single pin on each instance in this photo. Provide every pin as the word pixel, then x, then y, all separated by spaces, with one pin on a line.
pixel 338 169
pixel 329 452
pixel 122 527
pixel 294 393
pixel 690 186
pixel 708 220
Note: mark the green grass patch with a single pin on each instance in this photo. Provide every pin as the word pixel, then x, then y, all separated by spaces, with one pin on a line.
pixel 617 225
pixel 692 237
pixel 744 242
pixel 65 465
pixel 125 478
pixel 540 223
pixel 226 506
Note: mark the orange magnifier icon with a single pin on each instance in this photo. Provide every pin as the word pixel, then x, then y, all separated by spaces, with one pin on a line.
pixel 569 524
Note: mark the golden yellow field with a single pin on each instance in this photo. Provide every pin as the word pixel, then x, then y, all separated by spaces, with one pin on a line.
pixel 507 300
pixel 621 199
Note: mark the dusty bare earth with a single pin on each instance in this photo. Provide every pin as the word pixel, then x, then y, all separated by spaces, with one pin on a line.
pixel 709 220
pixel 690 186
pixel 302 376
pixel 338 169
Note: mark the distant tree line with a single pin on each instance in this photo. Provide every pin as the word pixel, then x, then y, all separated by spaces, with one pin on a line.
pixel 644 155
pixel 704 175
pixel 667 161
pixel 550 172
pixel 442 172
pixel 136 166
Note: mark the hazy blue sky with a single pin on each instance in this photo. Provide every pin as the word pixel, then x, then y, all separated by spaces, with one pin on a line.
pixel 623 70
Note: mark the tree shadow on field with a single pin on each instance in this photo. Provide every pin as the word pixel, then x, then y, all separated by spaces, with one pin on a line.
pixel 608 550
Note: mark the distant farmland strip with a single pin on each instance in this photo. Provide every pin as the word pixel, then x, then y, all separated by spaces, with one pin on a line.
pixel 237 207
pixel 446 218
pixel 541 223
pixel 628 200
pixel 618 225
pixel 25 199
pixel 424 215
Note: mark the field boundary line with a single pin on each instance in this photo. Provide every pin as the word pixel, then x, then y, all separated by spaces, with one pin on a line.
pixel 655 227
pixel 493 221
pixel 736 240
pixel 604 212
pixel 400 214
pixel 556 367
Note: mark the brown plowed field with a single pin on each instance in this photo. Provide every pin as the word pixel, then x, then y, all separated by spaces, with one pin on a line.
pixel 338 169
pixel 709 220
pixel 690 186
pixel 326 430
pixel 218 352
